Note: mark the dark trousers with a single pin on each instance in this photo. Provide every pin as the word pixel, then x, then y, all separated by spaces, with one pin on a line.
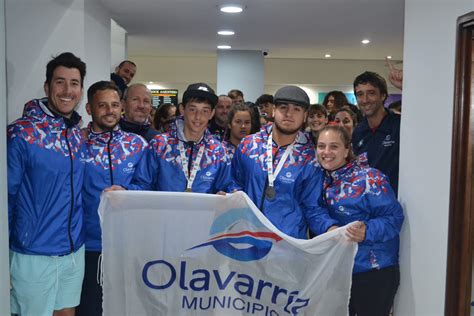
pixel 372 292
pixel 91 295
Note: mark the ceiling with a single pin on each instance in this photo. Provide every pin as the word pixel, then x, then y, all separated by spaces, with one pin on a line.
pixel 284 28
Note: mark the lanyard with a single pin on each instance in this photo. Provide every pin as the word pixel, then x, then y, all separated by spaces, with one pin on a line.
pixel 191 175
pixel 272 175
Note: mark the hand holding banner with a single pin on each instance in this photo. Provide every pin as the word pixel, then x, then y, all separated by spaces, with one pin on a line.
pixel 168 253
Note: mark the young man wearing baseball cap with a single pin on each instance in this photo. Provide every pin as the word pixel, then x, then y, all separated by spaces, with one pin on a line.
pixel 277 168
pixel 188 158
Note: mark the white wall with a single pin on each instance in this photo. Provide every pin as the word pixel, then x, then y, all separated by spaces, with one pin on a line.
pixel 315 74
pixel 429 50
pixel 97 52
pixel 118 44
pixel 4 262
pixel 240 69
pixel 175 72
pixel 58 27
pixel 79 26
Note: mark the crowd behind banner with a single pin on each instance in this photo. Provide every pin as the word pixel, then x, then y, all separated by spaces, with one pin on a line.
pixel 308 168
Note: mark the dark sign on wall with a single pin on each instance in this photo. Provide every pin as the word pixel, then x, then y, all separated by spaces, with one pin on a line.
pixel 164 96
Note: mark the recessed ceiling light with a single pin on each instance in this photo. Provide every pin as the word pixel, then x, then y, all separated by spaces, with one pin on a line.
pixel 150 82
pixel 327 55
pixel 365 41
pixel 389 57
pixel 224 47
pixel 231 9
pixel 226 32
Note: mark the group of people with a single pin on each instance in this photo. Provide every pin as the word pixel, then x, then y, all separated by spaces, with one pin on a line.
pixel 305 183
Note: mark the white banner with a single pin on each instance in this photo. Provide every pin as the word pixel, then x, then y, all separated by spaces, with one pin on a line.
pixel 168 253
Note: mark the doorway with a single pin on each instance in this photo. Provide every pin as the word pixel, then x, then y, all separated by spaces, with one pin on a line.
pixel 459 274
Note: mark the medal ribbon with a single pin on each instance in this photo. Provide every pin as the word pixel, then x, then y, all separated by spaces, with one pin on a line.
pixel 184 164
pixel 272 175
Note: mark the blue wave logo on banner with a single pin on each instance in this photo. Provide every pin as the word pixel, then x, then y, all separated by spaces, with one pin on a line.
pixel 239 234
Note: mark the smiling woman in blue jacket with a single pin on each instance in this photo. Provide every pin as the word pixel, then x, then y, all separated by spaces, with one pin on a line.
pixel 354 192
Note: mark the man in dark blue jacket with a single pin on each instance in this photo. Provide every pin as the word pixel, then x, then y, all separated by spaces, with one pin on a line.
pixel 137 108
pixel 277 169
pixel 45 178
pixel 110 158
pixel 123 74
pixel 379 133
pixel 218 124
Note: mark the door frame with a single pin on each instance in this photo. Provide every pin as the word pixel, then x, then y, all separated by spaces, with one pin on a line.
pixel 461 213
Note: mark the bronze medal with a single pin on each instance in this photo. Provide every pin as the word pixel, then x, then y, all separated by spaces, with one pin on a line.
pixel 270 193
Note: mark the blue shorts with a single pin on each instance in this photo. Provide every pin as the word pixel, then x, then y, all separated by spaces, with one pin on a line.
pixel 43 284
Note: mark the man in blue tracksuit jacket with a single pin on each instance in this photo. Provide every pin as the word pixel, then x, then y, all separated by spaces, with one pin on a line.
pixel 45 212
pixel 110 158
pixel 188 158
pixel 277 169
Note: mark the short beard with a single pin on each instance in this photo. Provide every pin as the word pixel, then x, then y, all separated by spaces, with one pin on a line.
pixel 140 122
pixel 285 131
pixel 375 111
pixel 219 122
pixel 106 128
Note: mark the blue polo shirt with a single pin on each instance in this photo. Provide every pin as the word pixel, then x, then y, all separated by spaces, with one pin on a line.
pixel 382 145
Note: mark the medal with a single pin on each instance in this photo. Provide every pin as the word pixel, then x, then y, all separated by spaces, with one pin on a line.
pixel 270 193
pixel 191 175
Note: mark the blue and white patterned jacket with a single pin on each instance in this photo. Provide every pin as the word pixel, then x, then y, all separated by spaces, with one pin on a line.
pixel 161 169
pixel 298 185
pixel 357 192
pixel 110 158
pixel 230 148
pixel 45 178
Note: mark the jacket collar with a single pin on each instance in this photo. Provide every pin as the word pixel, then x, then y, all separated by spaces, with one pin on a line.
pixel 133 127
pixel 102 137
pixel 384 124
pixel 360 161
pixel 178 132
pixel 38 108
pixel 301 138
